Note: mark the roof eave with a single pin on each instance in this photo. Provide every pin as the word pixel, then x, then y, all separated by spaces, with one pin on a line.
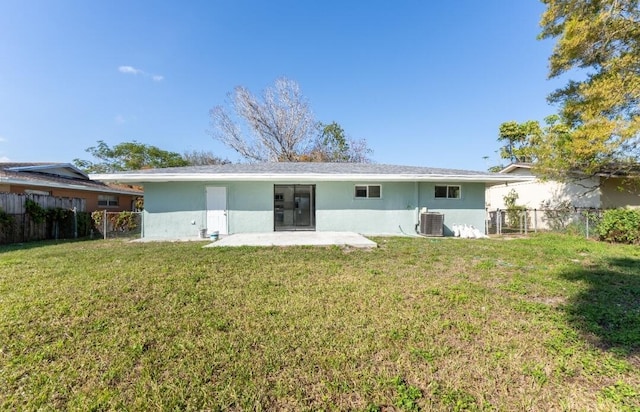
pixel 514 166
pixel 106 189
pixel 41 167
pixel 140 178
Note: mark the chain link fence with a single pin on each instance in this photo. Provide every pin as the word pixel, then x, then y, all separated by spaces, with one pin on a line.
pixel 577 221
pixel 112 225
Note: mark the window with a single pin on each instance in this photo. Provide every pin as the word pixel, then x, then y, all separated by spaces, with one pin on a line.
pixel 368 191
pixel 447 192
pixel 107 200
pixel 36 192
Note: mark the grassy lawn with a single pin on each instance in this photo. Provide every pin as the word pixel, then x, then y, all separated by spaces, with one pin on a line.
pixel 545 323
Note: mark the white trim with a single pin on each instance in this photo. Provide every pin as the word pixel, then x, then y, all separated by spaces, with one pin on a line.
pixel 302 177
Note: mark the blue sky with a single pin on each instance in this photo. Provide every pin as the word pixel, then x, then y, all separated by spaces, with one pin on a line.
pixel 424 82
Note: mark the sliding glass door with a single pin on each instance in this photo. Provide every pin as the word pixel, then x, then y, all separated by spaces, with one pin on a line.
pixel 294 207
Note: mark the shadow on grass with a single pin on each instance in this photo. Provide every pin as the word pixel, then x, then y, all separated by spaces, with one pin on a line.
pixel 608 311
pixel 40 243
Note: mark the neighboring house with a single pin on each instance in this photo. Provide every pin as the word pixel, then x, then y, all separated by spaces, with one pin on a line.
pixel 65 180
pixel 601 192
pixel 364 198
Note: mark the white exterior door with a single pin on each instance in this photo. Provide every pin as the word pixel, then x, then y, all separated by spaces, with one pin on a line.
pixel 217 209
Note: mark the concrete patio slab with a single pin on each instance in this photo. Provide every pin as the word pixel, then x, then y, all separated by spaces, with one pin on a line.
pixel 295 239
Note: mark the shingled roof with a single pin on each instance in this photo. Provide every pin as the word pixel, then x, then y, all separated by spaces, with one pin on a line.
pixel 58 175
pixel 307 171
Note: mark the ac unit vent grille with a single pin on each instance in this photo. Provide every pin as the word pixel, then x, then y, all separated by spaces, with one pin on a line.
pixel 432 224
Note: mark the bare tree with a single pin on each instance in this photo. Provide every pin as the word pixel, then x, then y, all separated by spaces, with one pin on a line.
pixel 279 126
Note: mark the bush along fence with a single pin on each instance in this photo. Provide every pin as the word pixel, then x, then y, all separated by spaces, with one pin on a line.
pixel 520 220
pixel 620 226
pixel 117 224
pixel 25 218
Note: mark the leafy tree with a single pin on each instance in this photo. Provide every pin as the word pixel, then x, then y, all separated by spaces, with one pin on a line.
pixel 128 156
pixel 519 141
pixel 333 145
pixel 203 158
pixel 599 121
pixel 554 153
pixel 279 127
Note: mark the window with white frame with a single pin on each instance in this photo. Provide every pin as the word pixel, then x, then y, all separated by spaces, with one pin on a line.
pixel 107 200
pixel 447 192
pixel 368 191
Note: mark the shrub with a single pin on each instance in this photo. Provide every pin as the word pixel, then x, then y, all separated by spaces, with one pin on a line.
pixel 120 222
pixel 515 212
pixel 84 223
pixel 38 213
pixel 620 225
pixel 58 214
pixel 124 221
pixel 5 219
pixel 97 216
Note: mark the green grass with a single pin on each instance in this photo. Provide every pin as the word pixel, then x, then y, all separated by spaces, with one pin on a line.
pixel 544 323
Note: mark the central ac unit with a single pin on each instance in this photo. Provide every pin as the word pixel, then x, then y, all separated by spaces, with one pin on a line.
pixel 432 224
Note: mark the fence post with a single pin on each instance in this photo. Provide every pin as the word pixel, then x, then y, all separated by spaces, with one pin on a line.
pixel 75 223
pixel 25 230
pixel 104 224
pixel 535 220
pixel 486 221
pixel 526 222
pixel 587 223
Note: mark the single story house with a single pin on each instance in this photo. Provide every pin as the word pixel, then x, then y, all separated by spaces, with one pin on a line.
pixel 600 192
pixel 365 198
pixel 65 180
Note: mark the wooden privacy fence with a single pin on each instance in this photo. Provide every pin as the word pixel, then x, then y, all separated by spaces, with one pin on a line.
pixel 65 218
pixel 13 203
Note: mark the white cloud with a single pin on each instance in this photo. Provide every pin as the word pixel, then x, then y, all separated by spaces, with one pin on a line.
pixel 119 119
pixel 4 159
pixel 129 70
pixel 2 139
pixel 135 72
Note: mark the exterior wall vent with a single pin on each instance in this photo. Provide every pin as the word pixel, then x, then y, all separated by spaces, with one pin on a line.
pixel 432 224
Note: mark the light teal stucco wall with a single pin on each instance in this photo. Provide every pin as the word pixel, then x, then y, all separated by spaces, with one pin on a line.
pixel 170 209
pixel 178 209
pixel 250 207
pixel 468 210
pixel 338 209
